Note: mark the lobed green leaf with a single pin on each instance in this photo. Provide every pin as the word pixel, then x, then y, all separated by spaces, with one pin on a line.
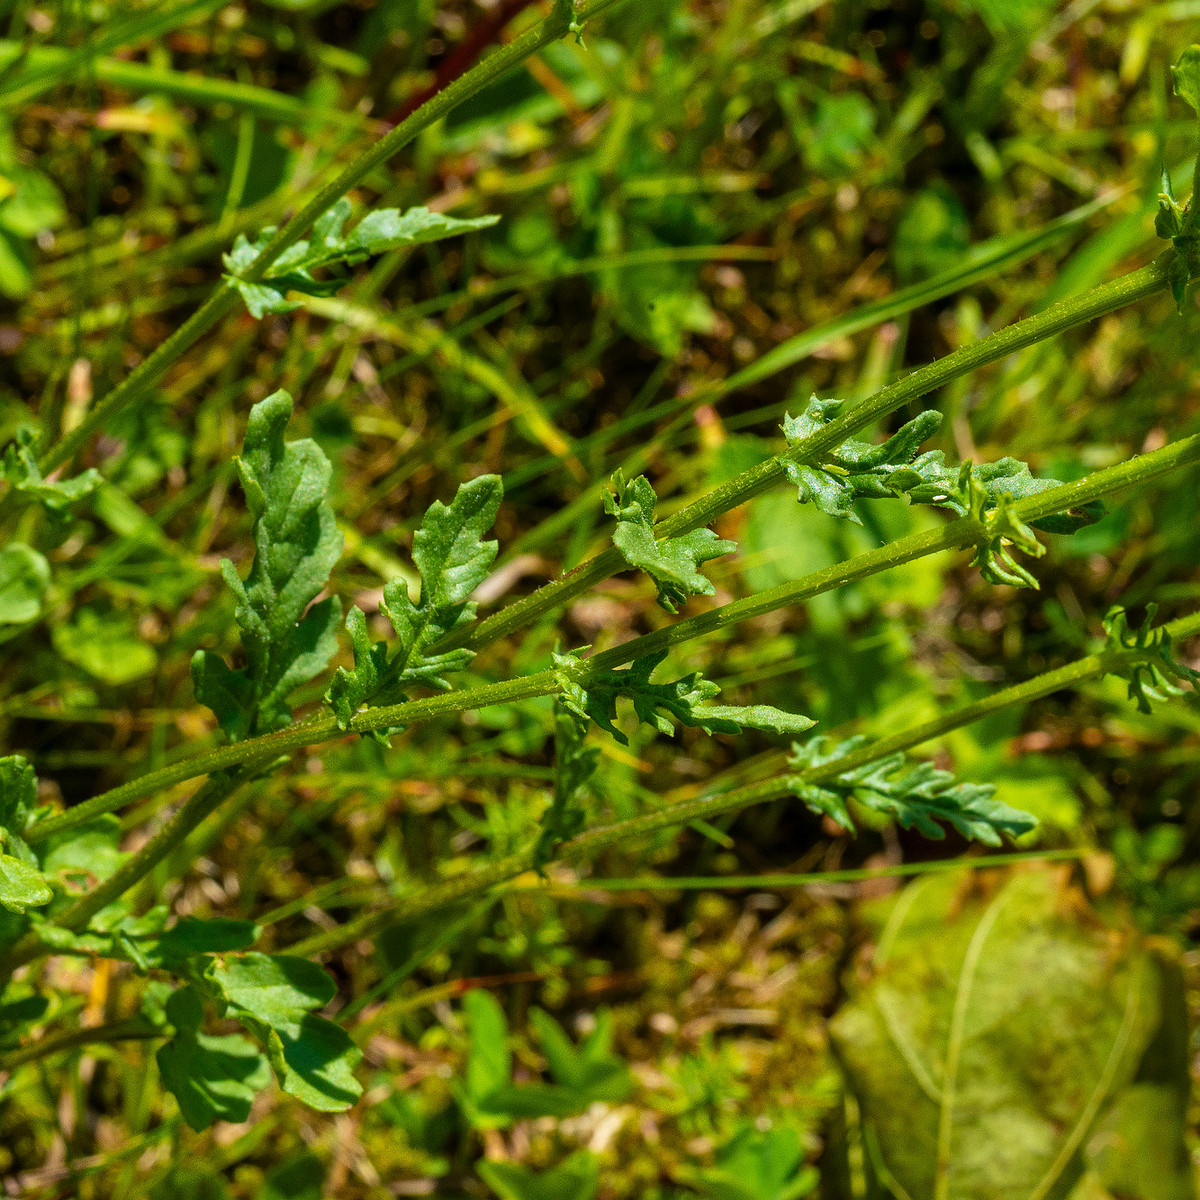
pixel 673 563
pixel 917 796
pixel 1145 657
pixel 859 470
pixel 24 475
pixel 22 883
pixel 1175 222
pixel 212 1078
pixel 328 248
pixel 453 559
pixel 297 543
pixel 274 997
pixel 595 699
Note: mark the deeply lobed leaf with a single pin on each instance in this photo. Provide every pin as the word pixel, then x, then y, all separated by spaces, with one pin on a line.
pixel 595 699
pixel 673 563
pixel 1144 656
pixel 328 248
pixel 917 796
pixel 296 544
pixel 859 470
pixel 574 765
pixel 1176 222
pixel 24 475
pixel 453 560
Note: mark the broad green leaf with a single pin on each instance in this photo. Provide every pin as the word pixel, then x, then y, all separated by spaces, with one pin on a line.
pixel 274 997
pixel 758 1165
pixel 576 1178
pixel 24 578
pixel 212 1078
pixel 296 544
pixel 1185 76
pixel 998 1034
pixel 489 1062
pixel 18 792
pixel 86 852
pixel 917 795
pixel 453 560
pixel 22 472
pixel 105 647
pixel 595 699
pixel 673 563
pixel 191 936
pixel 22 885
pixel 328 248
pixel 34 204
pixel 1145 657
pixel 591 1070
pixel 273 988
pixel 859 470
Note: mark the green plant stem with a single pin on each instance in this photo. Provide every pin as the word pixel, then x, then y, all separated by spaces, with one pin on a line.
pixel 225 298
pixel 199 805
pixel 204 801
pixel 965 531
pixel 716 883
pixel 133 1029
pixel 1078 310
pixel 776 788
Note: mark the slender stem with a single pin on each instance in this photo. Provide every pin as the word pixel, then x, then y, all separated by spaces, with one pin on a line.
pixel 144 376
pixel 776 788
pixel 199 805
pixel 204 801
pixel 439 896
pixel 715 883
pixel 133 1029
pixel 1078 310
pixel 225 298
pixel 964 531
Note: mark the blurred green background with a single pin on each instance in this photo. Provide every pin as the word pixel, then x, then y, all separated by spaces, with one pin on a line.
pixel 710 210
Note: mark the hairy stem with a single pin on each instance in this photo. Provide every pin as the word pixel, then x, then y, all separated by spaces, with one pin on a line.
pixel 225 299
pixel 965 531
pixel 776 788
pixel 1078 310
pixel 201 804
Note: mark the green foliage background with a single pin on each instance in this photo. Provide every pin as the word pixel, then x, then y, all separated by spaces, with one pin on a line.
pixel 708 212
